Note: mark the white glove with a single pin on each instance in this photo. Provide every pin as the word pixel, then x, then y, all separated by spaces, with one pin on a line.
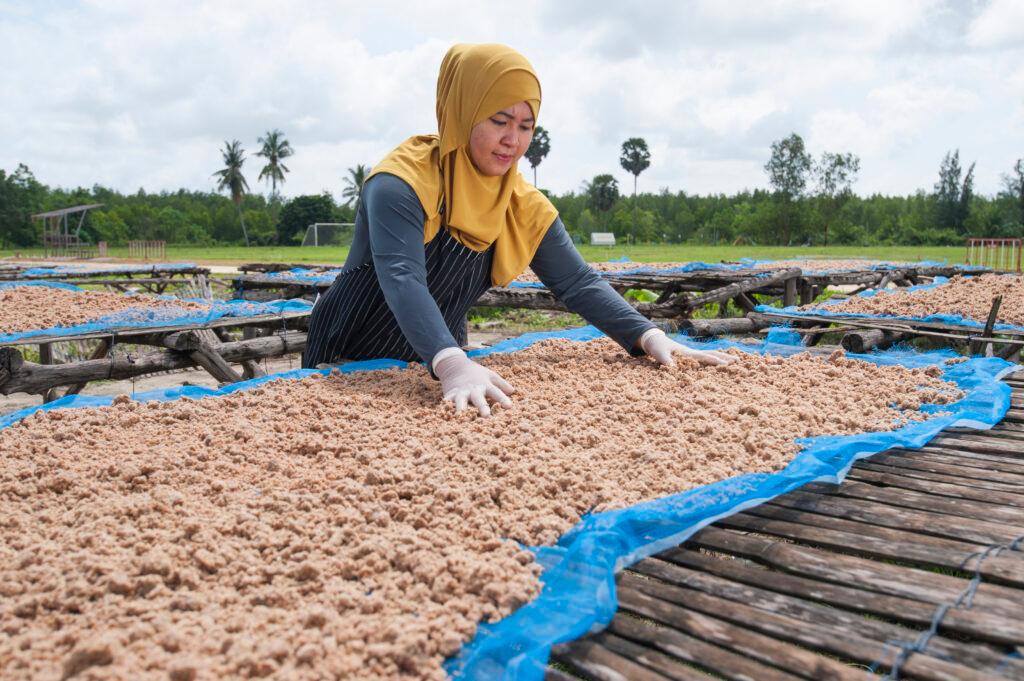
pixel 464 381
pixel 659 346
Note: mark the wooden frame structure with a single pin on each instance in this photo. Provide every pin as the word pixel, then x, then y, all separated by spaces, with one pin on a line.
pixel 1003 255
pixel 58 238
pixel 151 278
pixel 680 293
pixel 914 562
pixel 180 346
pixel 865 333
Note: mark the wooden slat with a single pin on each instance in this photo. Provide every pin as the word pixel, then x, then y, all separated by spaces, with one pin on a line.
pixel 896 478
pixel 950 468
pixel 974 623
pixel 963 457
pixel 818 615
pixel 834 640
pixel 941 477
pixel 792 515
pixel 922 501
pixel 923 585
pixel 1006 570
pixel 937 524
pixel 981 444
pixel 968 461
pixel 758 645
pixel 721 661
pixel 656 660
pixel 600 663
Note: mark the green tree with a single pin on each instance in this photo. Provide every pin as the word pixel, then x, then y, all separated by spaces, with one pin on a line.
pixel 232 179
pixel 354 184
pixel 635 159
pixel 21 195
pixel 787 170
pixel 275 148
pixel 539 148
pixel 835 174
pixel 952 196
pixel 603 192
pixel 1015 188
pixel 301 212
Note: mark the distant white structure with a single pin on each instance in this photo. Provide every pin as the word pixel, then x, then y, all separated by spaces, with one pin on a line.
pixel 329 234
pixel 602 239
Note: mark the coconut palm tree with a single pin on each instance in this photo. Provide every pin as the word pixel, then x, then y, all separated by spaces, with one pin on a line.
pixel 635 159
pixel 540 146
pixel 231 178
pixel 354 183
pixel 275 148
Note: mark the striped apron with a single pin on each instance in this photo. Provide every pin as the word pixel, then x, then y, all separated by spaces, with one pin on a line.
pixel 352 321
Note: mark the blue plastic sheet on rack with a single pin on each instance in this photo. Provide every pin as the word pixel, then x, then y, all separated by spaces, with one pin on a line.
pixel 578 594
pixel 306 275
pixel 72 270
pixel 144 317
pixel 823 309
pixel 696 266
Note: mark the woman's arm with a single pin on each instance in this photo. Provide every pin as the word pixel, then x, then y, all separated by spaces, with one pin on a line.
pixel 560 266
pixel 395 224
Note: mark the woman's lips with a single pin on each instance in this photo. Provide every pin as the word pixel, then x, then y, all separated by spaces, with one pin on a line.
pixel 503 158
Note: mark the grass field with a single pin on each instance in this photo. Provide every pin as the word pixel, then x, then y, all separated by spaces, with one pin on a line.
pixel 236 255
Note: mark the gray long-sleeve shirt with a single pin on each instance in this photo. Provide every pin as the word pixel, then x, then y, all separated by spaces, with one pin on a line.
pixel 389 231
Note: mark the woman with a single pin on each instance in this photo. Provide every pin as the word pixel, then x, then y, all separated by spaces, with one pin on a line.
pixel 443 218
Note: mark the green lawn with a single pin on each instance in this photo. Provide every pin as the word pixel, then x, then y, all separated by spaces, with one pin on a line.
pixel 236 255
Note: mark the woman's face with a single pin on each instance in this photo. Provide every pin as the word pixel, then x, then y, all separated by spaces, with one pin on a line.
pixel 500 140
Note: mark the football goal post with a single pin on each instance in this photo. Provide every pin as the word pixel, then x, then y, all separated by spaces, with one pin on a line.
pixel 329 234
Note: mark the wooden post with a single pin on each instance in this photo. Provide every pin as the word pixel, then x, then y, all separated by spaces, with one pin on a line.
pixel 863 340
pixel 46 357
pixel 806 292
pixel 17 375
pixel 99 353
pixel 993 314
pixel 789 294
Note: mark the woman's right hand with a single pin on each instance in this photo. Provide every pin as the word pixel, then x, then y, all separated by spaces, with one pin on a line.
pixel 464 381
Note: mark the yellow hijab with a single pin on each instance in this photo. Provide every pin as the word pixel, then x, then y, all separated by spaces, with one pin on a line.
pixel 475 82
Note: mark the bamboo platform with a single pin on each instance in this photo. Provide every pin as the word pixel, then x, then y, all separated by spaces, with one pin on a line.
pixel 680 293
pixel 151 278
pixel 813 284
pixel 115 355
pixel 864 333
pixel 915 561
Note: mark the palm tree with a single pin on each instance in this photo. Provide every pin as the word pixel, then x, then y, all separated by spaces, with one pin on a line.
pixel 275 148
pixel 354 183
pixel 231 178
pixel 635 159
pixel 540 145
pixel 603 192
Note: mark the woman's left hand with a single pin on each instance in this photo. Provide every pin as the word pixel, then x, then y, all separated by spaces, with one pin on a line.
pixel 659 346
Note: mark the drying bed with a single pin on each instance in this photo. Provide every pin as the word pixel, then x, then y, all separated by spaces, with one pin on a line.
pixel 966 297
pixel 27 308
pixel 347 523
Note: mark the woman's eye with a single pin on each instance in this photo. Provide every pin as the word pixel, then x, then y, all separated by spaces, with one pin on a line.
pixel 497 122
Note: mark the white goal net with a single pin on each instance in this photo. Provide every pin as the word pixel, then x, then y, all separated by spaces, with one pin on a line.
pixel 329 234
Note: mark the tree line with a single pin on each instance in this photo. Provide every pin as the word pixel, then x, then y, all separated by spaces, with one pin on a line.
pixel 809 201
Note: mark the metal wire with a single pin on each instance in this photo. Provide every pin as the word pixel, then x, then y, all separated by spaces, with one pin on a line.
pixel 966 598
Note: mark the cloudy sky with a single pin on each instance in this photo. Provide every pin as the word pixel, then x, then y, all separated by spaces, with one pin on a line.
pixel 129 94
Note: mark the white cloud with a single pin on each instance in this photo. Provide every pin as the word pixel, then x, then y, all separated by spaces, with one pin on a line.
pixel 1001 24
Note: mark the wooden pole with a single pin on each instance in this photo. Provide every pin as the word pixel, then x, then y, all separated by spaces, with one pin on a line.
pixel 17 375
